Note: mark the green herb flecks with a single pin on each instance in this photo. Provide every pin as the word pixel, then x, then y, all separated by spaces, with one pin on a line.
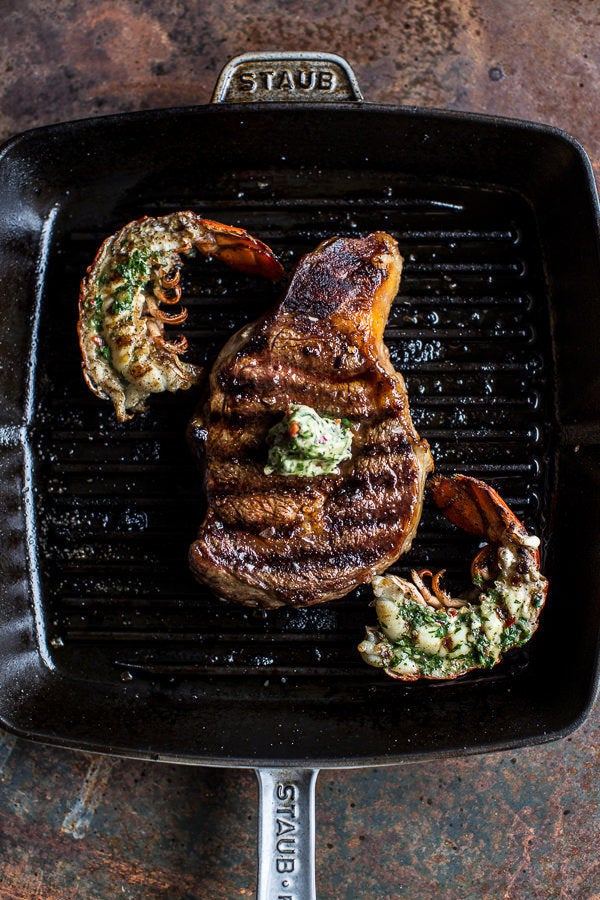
pixel 430 665
pixel 134 272
pixel 516 634
pixel 417 616
pixel 537 600
pixel 96 313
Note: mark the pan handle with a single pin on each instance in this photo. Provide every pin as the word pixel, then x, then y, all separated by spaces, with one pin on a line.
pixel 286 76
pixel 286 834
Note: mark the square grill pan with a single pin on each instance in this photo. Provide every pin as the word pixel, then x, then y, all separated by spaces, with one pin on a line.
pixel 106 641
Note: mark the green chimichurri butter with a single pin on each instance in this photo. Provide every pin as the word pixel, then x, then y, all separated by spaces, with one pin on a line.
pixel 307 444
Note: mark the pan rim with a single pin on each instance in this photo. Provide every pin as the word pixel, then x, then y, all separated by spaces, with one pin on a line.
pixel 361 108
pixel 316 762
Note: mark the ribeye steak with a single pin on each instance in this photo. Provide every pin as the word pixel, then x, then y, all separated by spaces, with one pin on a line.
pixel 275 539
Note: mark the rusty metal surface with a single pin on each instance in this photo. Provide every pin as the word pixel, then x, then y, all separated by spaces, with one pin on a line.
pixel 520 825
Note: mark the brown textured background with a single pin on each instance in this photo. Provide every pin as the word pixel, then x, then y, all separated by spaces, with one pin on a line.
pixel 520 825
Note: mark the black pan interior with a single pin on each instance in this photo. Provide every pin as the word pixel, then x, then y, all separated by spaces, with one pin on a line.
pixel 119 648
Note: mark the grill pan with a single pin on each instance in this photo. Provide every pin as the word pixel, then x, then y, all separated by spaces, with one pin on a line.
pixel 106 642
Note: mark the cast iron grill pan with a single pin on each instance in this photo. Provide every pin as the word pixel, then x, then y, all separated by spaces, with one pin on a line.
pixel 140 658
pixel 121 503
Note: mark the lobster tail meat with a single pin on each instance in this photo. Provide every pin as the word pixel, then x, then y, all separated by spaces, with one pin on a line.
pixel 126 355
pixel 428 634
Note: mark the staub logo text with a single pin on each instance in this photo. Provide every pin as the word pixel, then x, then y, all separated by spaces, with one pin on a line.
pixel 287 80
pixel 286 824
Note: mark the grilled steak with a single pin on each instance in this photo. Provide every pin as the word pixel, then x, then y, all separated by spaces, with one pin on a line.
pixel 274 539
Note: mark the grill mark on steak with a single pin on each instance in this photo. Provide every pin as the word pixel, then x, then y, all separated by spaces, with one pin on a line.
pixel 231 476
pixel 269 540
pixel 256 510
pixel 245 553
pixel 354 399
